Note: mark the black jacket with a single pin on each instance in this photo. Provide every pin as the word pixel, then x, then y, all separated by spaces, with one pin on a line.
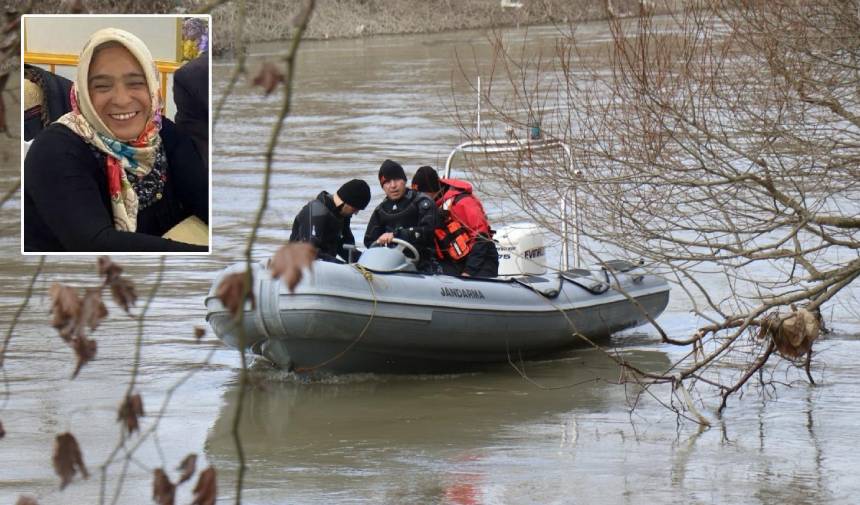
pixel 66 202
pixel 191 96
pixel 320 224
pixel 412 218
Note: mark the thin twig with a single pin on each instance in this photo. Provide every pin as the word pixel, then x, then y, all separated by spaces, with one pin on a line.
pixel 10 193
pixel 138 342
pixel 239 69
pixel 759 363
pixel 14 323
pixel 138 346
pixel 289 59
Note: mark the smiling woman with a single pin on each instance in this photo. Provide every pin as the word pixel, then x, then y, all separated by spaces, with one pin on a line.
pixel 112 174
pixel 118 91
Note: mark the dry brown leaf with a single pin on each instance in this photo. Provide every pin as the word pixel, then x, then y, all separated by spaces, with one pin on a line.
pixel 230 292
pixel 163 491
pixel 68 459
pixel 93 310
pixel 110 270
pixel 188 466
pixel 199 332
pixel 206 490
pixel 65 307
pixel 130 410
pixel 85 350
pixel 289 261
pixel 137 405
pixel 123 293
pixel 269 77
pixel 26 500
pixel 121 288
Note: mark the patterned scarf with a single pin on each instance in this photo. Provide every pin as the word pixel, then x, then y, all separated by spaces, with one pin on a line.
pixel 136 157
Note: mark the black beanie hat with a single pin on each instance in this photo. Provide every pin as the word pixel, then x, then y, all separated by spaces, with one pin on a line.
pixel 356 193
pixel 390 170
pixel 426 180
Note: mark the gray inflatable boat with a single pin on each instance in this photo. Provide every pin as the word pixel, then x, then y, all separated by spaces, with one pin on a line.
pixel 380 315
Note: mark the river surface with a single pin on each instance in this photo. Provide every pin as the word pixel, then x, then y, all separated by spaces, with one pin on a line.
pixel 566 436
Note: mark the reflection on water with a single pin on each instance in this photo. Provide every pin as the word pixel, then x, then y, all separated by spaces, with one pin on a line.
pixel 492 438
pixel 419 411
pixel 422 439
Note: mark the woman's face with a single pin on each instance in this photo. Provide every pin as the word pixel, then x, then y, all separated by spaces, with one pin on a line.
pixel 118 92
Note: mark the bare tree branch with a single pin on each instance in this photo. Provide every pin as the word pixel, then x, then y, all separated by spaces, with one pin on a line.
pixel 720 144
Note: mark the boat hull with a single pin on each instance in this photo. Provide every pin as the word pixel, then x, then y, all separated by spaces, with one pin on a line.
pixel 343 319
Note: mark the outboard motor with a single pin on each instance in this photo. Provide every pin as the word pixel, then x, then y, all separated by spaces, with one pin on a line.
pixel 521 250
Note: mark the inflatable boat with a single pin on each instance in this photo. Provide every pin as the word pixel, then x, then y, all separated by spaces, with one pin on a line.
pixel 381 315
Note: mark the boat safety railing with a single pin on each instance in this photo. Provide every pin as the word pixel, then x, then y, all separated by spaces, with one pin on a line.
pixel 569 201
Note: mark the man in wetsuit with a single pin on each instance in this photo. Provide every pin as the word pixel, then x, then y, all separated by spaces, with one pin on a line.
pixel 404 214
pixel 324 221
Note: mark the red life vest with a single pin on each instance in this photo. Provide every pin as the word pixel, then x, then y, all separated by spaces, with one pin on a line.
pixel 452 238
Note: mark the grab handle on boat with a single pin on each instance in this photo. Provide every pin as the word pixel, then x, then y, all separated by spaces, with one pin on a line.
pixel 547 293
pixel 351 251
pixel 590 284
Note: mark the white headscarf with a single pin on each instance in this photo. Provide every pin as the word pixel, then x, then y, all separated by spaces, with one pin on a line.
pixel 137 156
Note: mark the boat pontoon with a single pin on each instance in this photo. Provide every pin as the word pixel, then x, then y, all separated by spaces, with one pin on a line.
pixel 381 315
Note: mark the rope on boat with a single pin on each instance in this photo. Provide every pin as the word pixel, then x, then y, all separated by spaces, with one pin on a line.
pixel 550 294
pixel 368 276
pixel 595 288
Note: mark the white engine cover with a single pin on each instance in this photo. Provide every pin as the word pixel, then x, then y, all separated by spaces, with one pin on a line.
pixel 521 250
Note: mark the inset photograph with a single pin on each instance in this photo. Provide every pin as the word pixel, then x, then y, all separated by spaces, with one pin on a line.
pixel 116 128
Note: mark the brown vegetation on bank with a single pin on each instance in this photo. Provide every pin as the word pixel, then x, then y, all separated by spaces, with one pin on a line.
pixel 271 20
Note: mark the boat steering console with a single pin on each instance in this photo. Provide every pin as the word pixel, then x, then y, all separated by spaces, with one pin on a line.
pixel 398 256
pixel 401 245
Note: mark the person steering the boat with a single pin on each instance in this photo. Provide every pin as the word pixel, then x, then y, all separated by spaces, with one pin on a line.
pixel 324 222
pixel 464 244
pixel 404 214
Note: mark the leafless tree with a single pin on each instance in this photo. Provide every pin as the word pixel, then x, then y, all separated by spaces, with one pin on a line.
pixel 721 145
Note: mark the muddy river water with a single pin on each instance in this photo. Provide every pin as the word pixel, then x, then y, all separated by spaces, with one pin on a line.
pixel 488 437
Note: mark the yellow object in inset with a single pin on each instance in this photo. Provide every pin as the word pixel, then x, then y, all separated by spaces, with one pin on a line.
pixel 33 95
pixel 191 231
pixel 189 50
